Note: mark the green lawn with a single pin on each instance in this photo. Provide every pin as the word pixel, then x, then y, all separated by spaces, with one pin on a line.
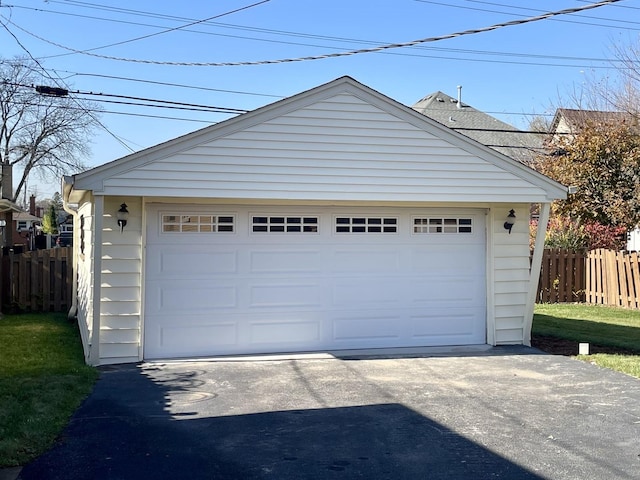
pixel 43 379
pixel 616 328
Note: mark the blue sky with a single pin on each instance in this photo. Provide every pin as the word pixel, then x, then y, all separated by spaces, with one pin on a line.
pixel 511 72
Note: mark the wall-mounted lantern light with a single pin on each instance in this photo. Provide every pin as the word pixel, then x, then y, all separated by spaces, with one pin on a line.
pixel 122 215
pixel 510 220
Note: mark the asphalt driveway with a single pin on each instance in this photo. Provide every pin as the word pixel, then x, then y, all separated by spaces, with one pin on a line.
pixel 510 413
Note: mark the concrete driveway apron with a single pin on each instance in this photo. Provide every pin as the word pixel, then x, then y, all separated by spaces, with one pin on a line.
pixel 508 413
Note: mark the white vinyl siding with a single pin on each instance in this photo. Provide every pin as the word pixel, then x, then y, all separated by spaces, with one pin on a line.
pixel 342 148
pixel 120 287
pixel 511 274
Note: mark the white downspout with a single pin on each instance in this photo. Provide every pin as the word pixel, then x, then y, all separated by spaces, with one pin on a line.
pixel 534 275
pixel 67 186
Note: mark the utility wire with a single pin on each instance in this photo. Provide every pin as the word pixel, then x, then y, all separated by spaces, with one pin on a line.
pixel 89 112
pixel 129 114
pixel 170 107
pixel 380 48
pixel 342 39
pixel 478 9
pixel 169 84
pixel 170 103
pixel 196 22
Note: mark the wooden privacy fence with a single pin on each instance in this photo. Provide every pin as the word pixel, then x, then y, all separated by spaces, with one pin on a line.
pixel 613 278
pixel 38 281
pixel 562 276
pixel 605 277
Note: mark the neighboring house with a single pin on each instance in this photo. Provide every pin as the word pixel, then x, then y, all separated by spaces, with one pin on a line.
pixel 66 225
pixel 336 219
pixel 498 135
pixel 25 226
pixel 571 121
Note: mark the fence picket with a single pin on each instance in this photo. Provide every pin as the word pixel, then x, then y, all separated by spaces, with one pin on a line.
pixel 635 275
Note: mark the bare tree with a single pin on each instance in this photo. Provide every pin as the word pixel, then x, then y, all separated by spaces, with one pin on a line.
pixel 42 134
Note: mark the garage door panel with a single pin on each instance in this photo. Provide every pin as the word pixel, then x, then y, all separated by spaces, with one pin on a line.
pixel 358 292
pixel 189 296
pixel 450 290
pixel 285 262
pixel 285 295
pixel 172 339
pixel 460 323
pixel 365 261
pixel 367 330
pixel 279 332
pixel 202 337
pixel 446 258
pixel 200 261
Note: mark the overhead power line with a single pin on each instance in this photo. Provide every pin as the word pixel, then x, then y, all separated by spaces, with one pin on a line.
pixel 169 103
pixel 534 10
pixel 376 49
pixel 610 63
pixel 151 102
pixel 169 84
pixel 180 27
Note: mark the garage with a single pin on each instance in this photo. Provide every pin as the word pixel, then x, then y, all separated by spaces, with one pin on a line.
pixel 237 280
pixel 335 219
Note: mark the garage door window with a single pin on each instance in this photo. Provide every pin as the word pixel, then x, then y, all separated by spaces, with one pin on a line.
pixel 366 225
pixel 283 224
pixel 197 223
pixel 442 225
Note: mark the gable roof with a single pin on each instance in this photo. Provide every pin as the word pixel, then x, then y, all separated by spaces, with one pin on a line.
pixel 25 216
pixel 339 141
pixel 481 127
pixel 569 120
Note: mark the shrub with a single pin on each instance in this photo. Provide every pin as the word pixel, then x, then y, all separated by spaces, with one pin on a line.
pixel 562 232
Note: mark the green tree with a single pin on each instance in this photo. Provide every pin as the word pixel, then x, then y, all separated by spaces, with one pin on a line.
pixel 603 162
pixel 50 221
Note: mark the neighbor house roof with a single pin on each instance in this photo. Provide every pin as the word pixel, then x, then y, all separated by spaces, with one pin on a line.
pixel 568 120
pixel 25 217
pixel 481 127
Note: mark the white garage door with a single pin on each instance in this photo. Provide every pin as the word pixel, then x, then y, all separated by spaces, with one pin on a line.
pixel 230 280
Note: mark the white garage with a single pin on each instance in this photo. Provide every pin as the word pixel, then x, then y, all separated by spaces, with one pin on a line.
pixel 334 219
pixel 281 279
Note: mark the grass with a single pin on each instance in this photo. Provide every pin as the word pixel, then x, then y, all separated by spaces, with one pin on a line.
pixel 43 379
pixel 616 328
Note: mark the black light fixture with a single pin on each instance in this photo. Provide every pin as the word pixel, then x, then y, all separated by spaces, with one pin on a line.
pixel 122 215
pixel 510 220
